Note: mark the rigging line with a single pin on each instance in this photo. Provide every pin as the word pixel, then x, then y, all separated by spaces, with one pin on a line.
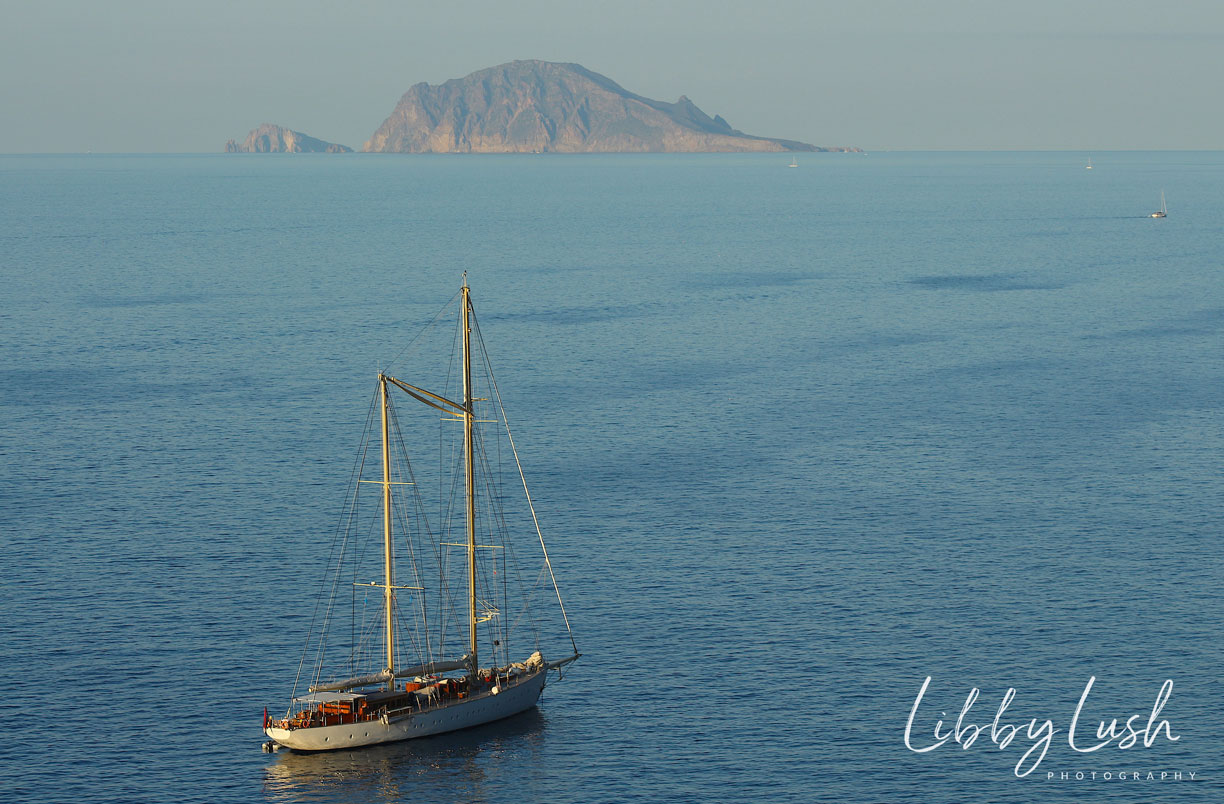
pixel 340 536
pixel 423 525
pixel 426 329
pixel 348 516
pixel 396 621
pixel 358 561
pixel 526 598
pixel 375 621
pixel 535 520
pixel 353 513
pixel 493 502
pixel 498 527
pixel 505 560
pixel 500 560
pixel 497 518
pixel 509 556
pixel 446 510
pixel 442 556
pixel 398 470
pixel 425 528
pixel 446 503
pixel 452 363
pixel 450 613
pixel 356 656
pixel 363 650
pixel 497 510
pixel 447 607
pixel 494 524
pixel 525 611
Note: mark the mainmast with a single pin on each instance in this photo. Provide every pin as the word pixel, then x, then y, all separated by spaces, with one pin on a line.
pixel 388 600
pixel 469 474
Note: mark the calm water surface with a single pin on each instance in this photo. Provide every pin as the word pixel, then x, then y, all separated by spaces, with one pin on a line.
pixel 800 438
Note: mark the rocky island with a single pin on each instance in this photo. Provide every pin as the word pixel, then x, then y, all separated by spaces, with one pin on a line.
pixel 270 139
pixel 540 107
pixel 534 107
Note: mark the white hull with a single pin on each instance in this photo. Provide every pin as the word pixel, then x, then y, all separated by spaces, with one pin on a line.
pixel 454 715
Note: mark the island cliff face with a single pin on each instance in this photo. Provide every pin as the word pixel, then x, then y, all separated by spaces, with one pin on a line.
pixel 270 139
pixel 540 106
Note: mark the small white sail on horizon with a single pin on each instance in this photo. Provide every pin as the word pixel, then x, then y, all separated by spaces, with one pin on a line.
pixel 1164 212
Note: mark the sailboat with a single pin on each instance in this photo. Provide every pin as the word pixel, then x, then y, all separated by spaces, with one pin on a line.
pixel 1163 213
pixel 431 653
pixel 794 162
pixel 1089 165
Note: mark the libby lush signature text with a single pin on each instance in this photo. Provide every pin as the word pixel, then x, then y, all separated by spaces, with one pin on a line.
pixel 1041 734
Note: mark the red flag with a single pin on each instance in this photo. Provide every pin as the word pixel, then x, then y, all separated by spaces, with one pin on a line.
pixel 265 717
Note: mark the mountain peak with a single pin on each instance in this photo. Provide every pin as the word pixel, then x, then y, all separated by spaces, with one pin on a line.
pixel 538 106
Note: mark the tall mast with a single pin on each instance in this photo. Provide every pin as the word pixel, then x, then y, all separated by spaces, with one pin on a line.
pixel 469 474
pixel 388 602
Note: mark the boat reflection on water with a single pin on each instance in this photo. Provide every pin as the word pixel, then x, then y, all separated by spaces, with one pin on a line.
pixel 452 766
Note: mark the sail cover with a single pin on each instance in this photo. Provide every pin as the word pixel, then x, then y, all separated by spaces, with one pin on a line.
pixel 378 678
pixel 327 697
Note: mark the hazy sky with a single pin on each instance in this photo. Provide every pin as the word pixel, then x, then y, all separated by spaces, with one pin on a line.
pixel 168 76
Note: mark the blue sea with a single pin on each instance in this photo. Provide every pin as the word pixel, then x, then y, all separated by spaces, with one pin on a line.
pixel 800 439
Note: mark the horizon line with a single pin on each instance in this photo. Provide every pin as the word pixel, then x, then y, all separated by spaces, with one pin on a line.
pixel 884 149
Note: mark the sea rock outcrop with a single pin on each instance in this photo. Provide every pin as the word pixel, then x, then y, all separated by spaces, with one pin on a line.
pixel 270 139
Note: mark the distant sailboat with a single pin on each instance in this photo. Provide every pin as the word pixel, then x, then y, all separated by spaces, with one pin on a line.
pixel 1089 165
pixel 1163 213
pixel 794 162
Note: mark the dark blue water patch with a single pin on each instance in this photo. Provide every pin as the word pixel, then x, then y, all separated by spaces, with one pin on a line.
pixel 1199 324
pixel 185 234
pixel 877 341
pixel 997 368
pixel 108 390
pixel 984 283
pixel 1212 315
pixel 571 316
pixel 698 376
pixel 150 300
pixel 48 380
pixel 746 280
pixel 1070 391
pixel 1169 331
